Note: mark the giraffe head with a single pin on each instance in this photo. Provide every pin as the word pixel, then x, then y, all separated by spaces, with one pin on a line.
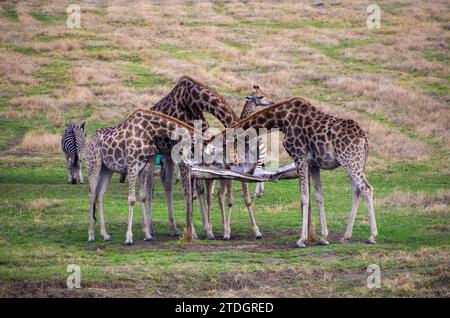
pixel 258 97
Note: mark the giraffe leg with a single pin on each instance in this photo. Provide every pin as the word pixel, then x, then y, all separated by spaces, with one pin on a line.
pixel 132 175
pixel 221 199
pixel 203 206
pixel 94 166
pixel 259 190
pixel 143 199
pixel 315 172
pixel 149 195
pixel 248 203
pixel 189 231
pixel 351 219
pixel 302 168
pixel 104 178
pixel 166 178
pixel 367 192
pixel 227 231
pixel 209 194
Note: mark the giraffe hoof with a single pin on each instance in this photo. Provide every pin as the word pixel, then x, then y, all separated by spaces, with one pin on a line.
pixel 129 243
pixel 210 237
pixel 300 244
pixel 371 241
pixel 258 237
pixel 148 239
pixel 323 243
pixel 91 241
pixel 174 233
pixel 108 239
pixel 225 238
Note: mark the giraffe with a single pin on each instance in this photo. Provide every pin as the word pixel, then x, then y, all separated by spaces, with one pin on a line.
pixel 128 147
pixel 257 98
pixel 315 141
pixel 187 102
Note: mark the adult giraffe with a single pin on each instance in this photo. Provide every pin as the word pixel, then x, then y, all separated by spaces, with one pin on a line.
pixel 128 147
pixel 315 141
pixel 187 102
pixel 257 98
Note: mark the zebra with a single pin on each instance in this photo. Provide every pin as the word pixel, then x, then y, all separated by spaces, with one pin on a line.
pixel 72 144
pixel 262 152
pixel 258 98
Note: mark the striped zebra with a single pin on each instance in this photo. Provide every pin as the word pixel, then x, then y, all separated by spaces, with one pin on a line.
pixel 262 152
pixel 72 144
pixel 258 98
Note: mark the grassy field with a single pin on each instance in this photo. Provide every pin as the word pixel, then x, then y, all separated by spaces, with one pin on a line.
pixel 394 81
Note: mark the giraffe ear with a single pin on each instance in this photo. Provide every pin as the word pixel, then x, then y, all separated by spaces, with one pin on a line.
pixel 248 98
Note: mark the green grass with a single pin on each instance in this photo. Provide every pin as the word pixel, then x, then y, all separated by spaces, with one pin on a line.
pixel 434 56
pixel 38 244
pixel 10 12
pixel 49 18
pixel 43 224
pixel 24 50
pixel 53 75
pixel 238 45
pixel 143 77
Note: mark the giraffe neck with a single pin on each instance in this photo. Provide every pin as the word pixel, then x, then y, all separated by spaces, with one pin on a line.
pixel 249 108
pixel 161 124
pixel 189 99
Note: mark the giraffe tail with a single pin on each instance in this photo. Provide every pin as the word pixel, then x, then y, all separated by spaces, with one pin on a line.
pixel 366 149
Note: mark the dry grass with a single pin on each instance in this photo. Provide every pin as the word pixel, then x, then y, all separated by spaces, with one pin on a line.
pixel 232 45
pixel 428 203
pixel 41 141
pixel 18 69
pixel 88 73
pixel 405 107
pixel 36 207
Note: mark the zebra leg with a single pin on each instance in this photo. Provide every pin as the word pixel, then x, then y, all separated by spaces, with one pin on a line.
pixel 104 179
pixel 248 203
pixel 80 173
pixel 69 172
